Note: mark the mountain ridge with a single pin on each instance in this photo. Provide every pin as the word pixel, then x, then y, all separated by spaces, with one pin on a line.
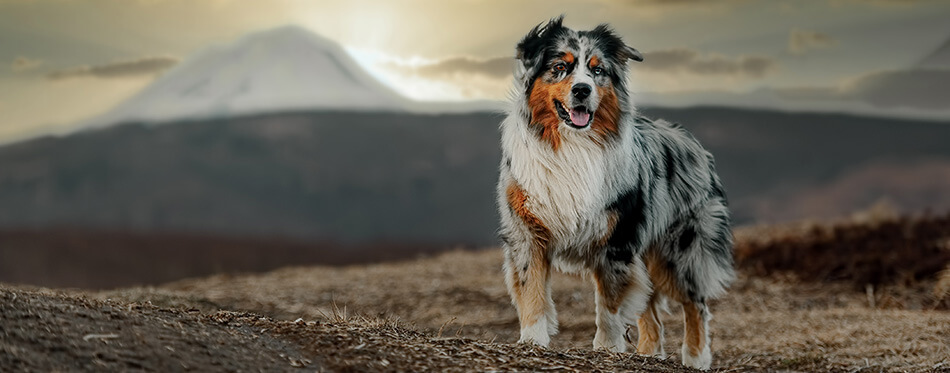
pixel 429 178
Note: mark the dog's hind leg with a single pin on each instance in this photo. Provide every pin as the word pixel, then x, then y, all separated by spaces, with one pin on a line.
pixel 623 289
pixel 695 265
pixel 696 352
pixel 650 329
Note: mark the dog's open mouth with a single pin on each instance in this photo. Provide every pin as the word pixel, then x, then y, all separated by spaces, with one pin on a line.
pixel 577 117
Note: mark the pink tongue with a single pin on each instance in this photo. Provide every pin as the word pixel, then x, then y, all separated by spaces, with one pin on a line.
pixel 580 118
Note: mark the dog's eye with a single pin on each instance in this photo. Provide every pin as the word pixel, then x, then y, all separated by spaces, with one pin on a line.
pixel 598 70
pixel 560 66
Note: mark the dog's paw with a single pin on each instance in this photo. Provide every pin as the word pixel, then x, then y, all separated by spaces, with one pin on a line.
pixel 610 343
pixel 701 362
pixel 536 334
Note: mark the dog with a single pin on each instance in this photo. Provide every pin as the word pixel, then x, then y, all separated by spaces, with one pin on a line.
pixel 587 186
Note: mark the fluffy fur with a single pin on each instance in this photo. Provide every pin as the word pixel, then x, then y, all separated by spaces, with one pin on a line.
pixel 587 186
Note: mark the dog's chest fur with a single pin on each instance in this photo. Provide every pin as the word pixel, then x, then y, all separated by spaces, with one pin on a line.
pixel 570 188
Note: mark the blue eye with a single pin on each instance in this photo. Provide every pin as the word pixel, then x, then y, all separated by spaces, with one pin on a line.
pixel 598 70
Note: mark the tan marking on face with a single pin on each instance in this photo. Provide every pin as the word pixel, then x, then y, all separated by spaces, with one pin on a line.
pixel 568 57
pixel 607 117
pixel 541 102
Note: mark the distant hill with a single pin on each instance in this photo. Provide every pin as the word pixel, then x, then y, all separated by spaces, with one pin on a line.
pixel 789 166
pixel 342 175
pixel 362 176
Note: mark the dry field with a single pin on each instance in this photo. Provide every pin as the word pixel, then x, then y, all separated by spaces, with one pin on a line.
pixel 858 310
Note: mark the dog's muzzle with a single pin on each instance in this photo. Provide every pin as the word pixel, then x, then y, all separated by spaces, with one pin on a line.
pixel 579 115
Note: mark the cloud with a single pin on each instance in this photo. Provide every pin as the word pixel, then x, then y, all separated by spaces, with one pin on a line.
pixel 917 88
pixel 675 2
pixel 495 68
pixel 23 64
pixel 886 3
pixel 121 69
pixel 800 41
pixel 694 62
pixel 684 3
pixel 925 89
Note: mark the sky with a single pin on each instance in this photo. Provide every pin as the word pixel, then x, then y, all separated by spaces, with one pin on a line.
pixel 65 60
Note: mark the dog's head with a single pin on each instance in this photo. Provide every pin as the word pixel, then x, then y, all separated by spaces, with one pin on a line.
pixel 574 78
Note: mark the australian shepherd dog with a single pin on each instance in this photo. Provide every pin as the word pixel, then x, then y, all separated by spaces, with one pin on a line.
pixel 588 186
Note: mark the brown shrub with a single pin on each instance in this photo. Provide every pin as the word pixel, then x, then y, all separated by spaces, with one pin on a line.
pixel 887 251
pixel 100 259
pixel 942 288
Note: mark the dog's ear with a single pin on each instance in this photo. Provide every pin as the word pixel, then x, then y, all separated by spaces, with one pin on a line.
pixel 530 50
pixel 631 53
pixel 614 45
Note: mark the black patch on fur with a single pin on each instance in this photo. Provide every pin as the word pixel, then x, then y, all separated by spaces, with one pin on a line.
pixel 716 190
pixel 631 213
pixel 538 46
pixel 691 159
pixel 689 284
pixel 606 40
pixel 686 238
pixel 505 239
pixel 654 168
pixel 670 162
pixel 620 254
pixel 570 66
pixel 573 43
pixel 540 39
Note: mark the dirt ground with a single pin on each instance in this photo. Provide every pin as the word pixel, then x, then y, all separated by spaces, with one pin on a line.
pixel 451 312
pixel 47 331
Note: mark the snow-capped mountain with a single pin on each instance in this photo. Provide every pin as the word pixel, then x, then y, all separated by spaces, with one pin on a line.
pixel 283 69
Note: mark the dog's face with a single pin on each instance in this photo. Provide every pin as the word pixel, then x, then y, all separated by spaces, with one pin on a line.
pixel 574 79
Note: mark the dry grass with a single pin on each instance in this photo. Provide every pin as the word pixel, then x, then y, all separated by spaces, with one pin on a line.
pixel 55 331
pixel 452 312
pixel 762 324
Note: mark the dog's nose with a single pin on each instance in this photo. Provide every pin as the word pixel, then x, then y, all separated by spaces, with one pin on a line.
pixel 581 91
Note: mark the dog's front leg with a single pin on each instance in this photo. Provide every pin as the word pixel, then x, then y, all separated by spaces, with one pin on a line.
pixel 528 267
pixel 527 270
pixel 623 289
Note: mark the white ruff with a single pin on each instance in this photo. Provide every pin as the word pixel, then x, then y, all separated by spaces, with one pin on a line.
pixel 568 188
